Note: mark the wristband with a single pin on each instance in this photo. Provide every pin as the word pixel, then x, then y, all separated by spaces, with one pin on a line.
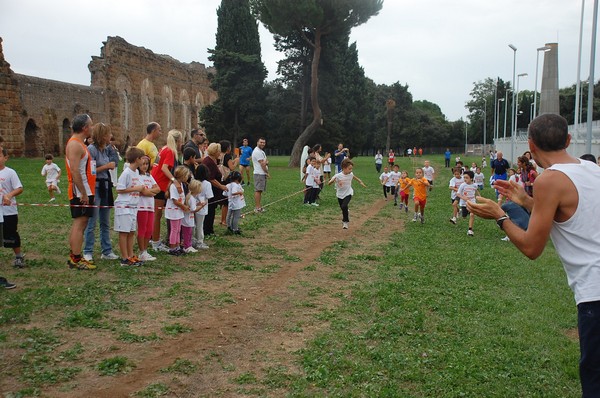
pixel 172 179
pixel 501 220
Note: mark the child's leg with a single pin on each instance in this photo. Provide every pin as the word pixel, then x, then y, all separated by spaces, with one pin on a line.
pixel 51 191
pixel 307 190
pixel 384 191
pixel 422 207
pixel 174 235
pixel 394 194
pixel 471 220
pixel 235 219
pixel 344 206
pixel 454 208
pixel 130 240
pixel 123 242
pixel 199 227
pixel 230 219
pixel 187 236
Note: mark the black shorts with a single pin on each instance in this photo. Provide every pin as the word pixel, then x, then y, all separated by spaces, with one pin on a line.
pixel 464 211
pixel 9 229
pixel 77 212
pixel 160 196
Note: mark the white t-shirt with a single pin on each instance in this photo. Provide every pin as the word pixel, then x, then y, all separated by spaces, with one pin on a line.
pixel 468 190
pixel 146 203
pixel 9 181
pixel 236 202
pixel 478 179
pixel 127 203
pixel 189 219
pixel 383 176
pixel 455 183
pixel 172 212
pixel 257 155
pixel 327 165
pixel 343 184
pixel 204 196
pixel 428 173
pixel 393 179
pixel 312 176
pixel 378 158
pixel 51 172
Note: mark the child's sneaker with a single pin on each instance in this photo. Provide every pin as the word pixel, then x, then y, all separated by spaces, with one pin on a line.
pixel 135 261
pixel 19 262
pixel 174 252
pixel 6 284
pixel 202 246
pixel 406 208
pixel 344 225
pixel 145 256
pixel 505 239
pixel 51 200
pixel 400 206
pixel 125 262
pixel 453 220
pixel 415 217
pixel 190 250
pixel 82 264
pixel 470 233
pixel 422 219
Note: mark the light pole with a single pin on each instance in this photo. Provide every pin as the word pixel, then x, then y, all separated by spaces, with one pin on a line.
pixel 498 113
pixel 512 147
pixel 484 126
pixel 465 138
pixel 514 118
pixel 578 87
pixel 495 131
pixel 505 109
pixel 543 49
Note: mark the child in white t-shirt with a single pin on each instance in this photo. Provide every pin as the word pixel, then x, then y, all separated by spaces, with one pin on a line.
pixel 129 188
pixel 145 213
pixel 235 193
pixel 454 185
pixel 313 179
pixel 202 198
pixel 327 165
pixel 466 193
pixel 189 220
pixel 344 189
pixel 479 178
pixel 175 208
pixel 52 173
pixel 392 181
pixel 382 178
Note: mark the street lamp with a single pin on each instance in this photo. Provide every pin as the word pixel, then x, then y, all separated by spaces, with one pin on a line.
pixel 543 49
pixel 512 147
pixel 498 113
pixel 505 109
pixel 484 126
pixel 514 118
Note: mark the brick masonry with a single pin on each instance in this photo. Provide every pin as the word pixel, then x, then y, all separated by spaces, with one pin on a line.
pixel 131 86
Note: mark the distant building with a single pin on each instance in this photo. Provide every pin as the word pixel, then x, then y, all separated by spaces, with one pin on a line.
pixel 131 86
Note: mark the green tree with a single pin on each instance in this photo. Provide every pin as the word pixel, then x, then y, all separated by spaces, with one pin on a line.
pixel 240 74
pixel 313 20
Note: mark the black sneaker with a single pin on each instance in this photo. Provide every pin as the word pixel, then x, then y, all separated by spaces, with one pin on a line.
pixel 19 262
pixel 6 284
pixel 174 252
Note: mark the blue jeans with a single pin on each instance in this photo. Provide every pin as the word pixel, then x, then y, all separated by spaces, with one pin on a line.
pixel 588 323
pixel 90 231
pixel 517 214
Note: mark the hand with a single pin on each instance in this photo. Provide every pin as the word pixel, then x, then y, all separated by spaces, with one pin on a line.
pixel 110 165
pixel 512 190
pixel 485 208
pixel 6 200
pixel 84 200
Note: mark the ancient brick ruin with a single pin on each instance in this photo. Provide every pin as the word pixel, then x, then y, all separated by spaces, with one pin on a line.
pixel 131 86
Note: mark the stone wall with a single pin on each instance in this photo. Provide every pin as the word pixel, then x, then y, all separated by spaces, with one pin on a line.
pixel 131 86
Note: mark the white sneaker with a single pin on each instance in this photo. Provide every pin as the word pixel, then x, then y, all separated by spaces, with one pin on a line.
pixel 190 250
pixel 415 218
pixel 453 220
pixel 202 246
pixel 315 204
pixel 159 246
pixel 58 189
pixel 109 256
pixel 145 256
pixel 506 239
pixel 88 257
pixel 470 232
pixel 345 225
pixel 52 199
pixel 401 206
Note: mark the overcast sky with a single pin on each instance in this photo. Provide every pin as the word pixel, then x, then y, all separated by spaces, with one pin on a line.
pixel 439 48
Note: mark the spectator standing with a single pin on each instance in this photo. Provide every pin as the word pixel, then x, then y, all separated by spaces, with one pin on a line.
pixel 153 131
pixel 245 158
pixel 260 164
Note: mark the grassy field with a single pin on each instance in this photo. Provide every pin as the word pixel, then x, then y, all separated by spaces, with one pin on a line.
pixel 433 313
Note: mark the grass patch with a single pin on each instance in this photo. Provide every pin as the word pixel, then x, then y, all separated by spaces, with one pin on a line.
pixel 115 365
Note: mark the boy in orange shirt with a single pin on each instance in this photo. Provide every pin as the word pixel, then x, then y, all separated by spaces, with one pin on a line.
pixel 419 184
pixel 403 189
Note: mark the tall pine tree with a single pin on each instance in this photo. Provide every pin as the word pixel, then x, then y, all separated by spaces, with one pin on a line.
pixel 240 74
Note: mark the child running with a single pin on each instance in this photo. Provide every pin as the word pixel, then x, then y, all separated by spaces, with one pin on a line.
pixel 10 187
pixel 479 178
pixel 454 185
pixel 382 179
pixel 344 189
pixel 466 193
pixel 419 184
pixel 235 193
pixel 392 182
pixel 129 188
pixel 52 173
pixel 145 213
pixel 404 190
pixel 174 209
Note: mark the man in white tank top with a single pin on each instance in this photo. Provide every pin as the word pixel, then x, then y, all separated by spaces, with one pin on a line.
pixel 565 208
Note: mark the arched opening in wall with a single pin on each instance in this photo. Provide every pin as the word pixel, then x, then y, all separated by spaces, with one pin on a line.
pixel 32 139
pixel 66 133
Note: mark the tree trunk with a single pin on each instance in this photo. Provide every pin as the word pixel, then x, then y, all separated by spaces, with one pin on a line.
pixel 236 132
pixel 314 99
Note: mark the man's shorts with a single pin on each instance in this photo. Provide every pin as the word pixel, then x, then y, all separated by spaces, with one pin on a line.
pixel 11 235
pixel 126 222
pixel 77 212
pixel 260 182
pixel 463 211
pixel 160 196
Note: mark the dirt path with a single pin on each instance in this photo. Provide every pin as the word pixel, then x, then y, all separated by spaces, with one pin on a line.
pixel 272 317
